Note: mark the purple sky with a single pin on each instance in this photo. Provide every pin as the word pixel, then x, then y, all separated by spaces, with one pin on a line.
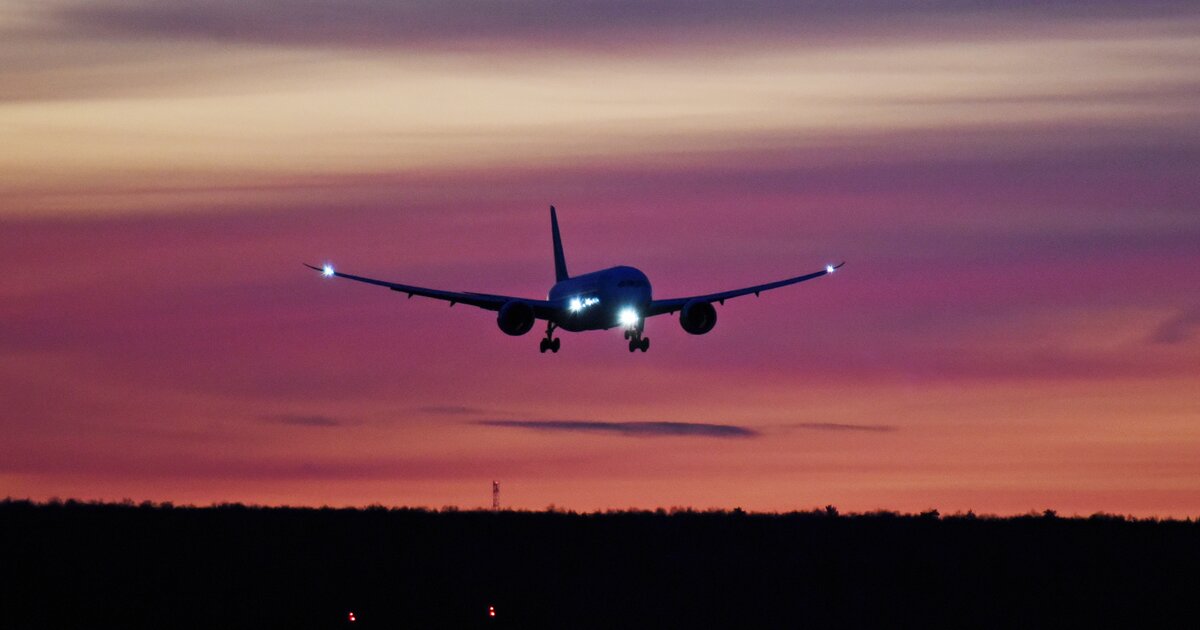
pixel 1014 189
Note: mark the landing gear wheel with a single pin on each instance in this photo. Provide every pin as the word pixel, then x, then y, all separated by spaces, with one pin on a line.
pixel 633 345
pixel 554 345
pixel 645 345
pixel 545 345
pixel 627 333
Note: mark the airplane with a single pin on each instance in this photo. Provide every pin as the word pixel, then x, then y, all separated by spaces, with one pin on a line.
pixel 600 300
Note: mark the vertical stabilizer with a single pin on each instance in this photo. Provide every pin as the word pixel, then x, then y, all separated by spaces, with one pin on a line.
pixel 560 263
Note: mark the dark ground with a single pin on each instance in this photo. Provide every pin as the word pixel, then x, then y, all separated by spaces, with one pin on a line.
pixel 87 565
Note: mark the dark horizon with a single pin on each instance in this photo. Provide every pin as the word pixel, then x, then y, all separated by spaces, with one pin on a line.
pixel 828 510
pixel 229 566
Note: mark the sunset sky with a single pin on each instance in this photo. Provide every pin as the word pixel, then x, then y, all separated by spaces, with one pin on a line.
pixel 1015 187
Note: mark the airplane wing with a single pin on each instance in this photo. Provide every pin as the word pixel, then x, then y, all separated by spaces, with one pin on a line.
pixel 660 307
pixel 541 308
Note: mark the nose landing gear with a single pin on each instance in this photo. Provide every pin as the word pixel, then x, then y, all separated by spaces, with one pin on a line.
pixel 550 343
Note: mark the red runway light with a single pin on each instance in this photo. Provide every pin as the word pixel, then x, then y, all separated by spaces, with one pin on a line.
pixel 491 611
pixel 352 618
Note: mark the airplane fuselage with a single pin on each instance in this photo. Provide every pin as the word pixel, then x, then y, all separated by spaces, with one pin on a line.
pixel 596 301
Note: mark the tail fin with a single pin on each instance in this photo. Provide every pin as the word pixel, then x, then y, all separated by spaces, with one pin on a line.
pixel 560 263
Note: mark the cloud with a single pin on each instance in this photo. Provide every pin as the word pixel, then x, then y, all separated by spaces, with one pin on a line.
pixel 302 420
pixel 451 410
pixel 835 426
pixel 1178 329
pixel 621 25
pixel 635 429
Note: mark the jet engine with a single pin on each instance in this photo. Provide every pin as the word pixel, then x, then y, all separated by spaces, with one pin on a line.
pixel 698 317
pixel 515 318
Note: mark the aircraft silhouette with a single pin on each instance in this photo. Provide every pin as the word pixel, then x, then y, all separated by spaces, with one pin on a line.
pixel 617 296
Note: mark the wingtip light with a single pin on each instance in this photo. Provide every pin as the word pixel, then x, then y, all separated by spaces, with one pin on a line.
pixel 830 268
pixel 327 270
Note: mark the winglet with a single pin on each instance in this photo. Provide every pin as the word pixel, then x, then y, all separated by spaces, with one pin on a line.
pixel 560 262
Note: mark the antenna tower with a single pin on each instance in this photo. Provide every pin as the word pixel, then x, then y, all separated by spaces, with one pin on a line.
pixel 495 495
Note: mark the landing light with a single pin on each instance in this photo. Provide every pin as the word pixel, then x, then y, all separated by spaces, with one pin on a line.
pixel 829 268
pixel 578 304
pixel 627 317
pixel 327 271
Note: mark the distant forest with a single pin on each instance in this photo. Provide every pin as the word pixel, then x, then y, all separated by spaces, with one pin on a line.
pixel 84 565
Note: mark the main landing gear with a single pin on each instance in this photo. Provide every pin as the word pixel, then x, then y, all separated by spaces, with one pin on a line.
pixel 636 340
pixel 550 343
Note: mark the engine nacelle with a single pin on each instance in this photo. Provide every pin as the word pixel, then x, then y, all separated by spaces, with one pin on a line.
pixel 698 317
pixel 515 318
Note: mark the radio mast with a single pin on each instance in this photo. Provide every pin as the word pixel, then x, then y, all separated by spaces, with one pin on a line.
pixel 495 495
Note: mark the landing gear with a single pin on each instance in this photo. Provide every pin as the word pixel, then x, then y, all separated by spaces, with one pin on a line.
pixel 550 343
pixel 636 340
